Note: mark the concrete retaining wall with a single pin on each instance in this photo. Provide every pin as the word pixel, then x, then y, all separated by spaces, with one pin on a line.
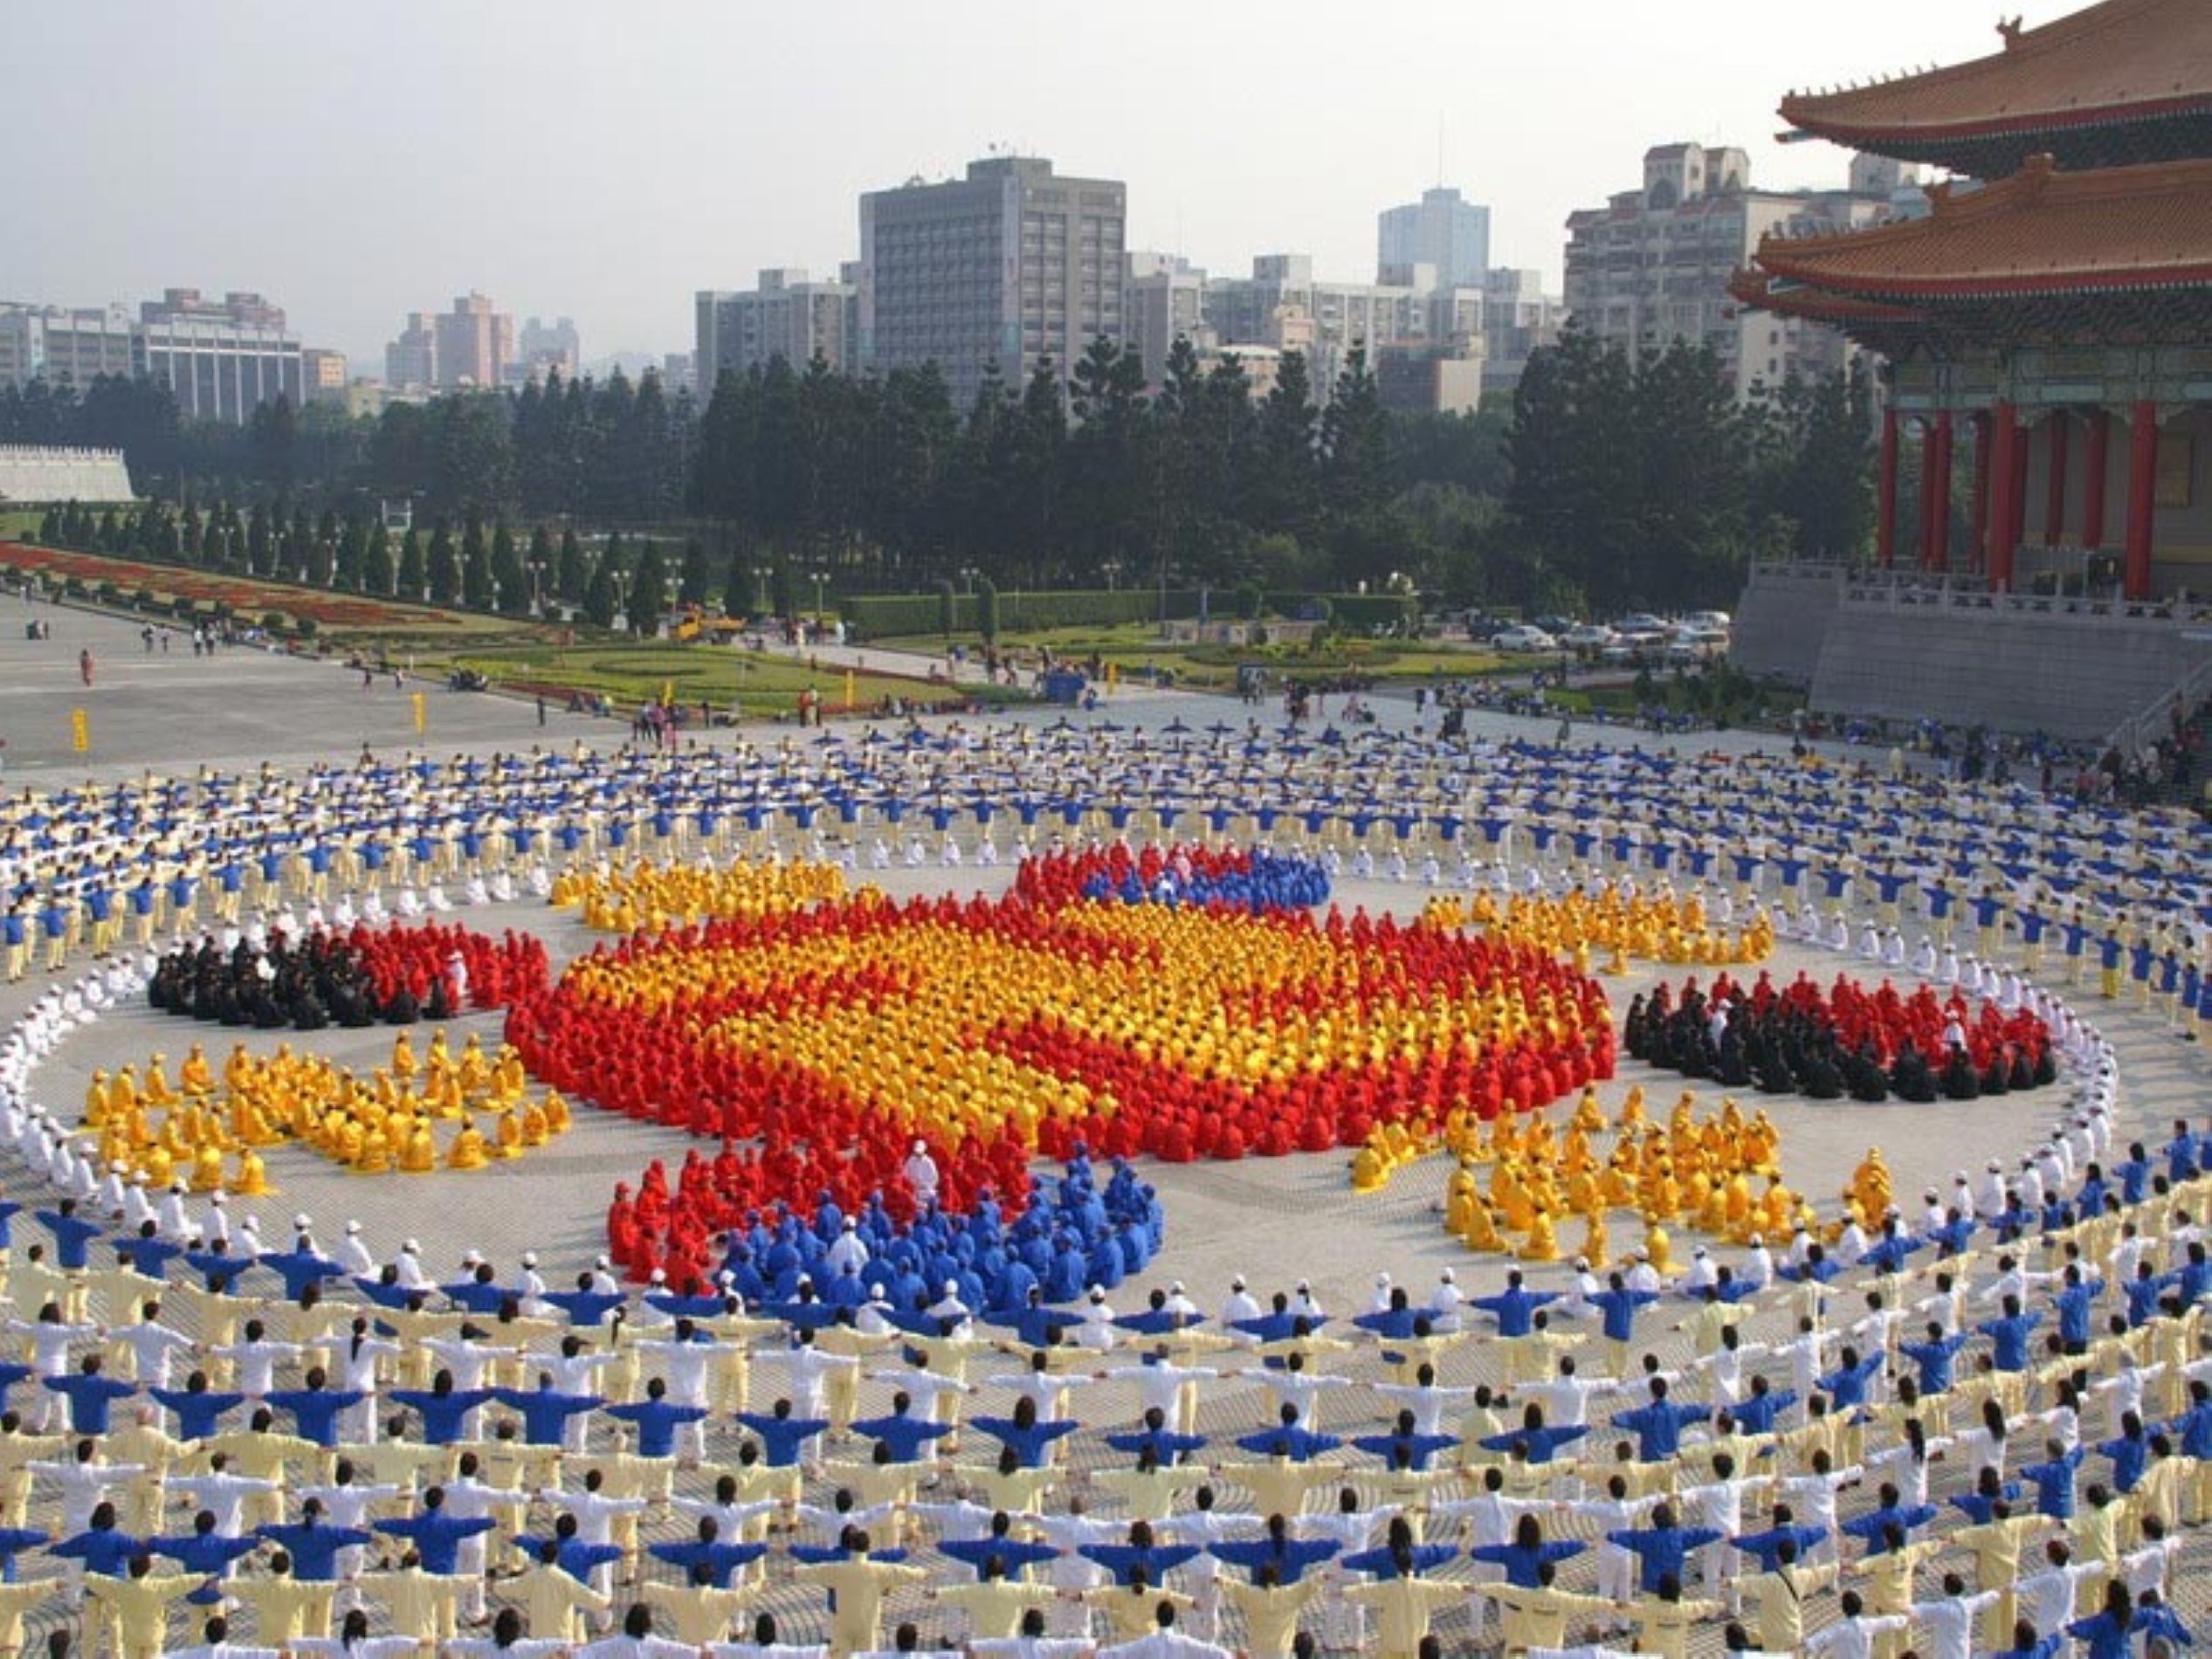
pixel 1887 648
pixel 1781 619
pixel 2073 676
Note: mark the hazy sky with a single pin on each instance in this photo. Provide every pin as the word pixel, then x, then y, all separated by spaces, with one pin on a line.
pixel 356 161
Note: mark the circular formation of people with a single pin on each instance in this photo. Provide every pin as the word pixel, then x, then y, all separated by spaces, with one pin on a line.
pixel 880 1367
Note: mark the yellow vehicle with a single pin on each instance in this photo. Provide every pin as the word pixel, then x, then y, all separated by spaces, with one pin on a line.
pixel 695 623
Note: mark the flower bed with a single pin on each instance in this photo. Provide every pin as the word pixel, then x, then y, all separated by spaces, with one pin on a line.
pixel 240 596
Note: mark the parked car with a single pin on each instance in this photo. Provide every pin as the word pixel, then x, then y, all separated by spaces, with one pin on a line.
pixel 1720 619
pixel 1588 637
pixel 1641 621
pixel 1698 645
pixel 1552 625
pixel 1524 637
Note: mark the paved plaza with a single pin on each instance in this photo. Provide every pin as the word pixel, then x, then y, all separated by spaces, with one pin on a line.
pixel 1283 1217
pixel 1273 1220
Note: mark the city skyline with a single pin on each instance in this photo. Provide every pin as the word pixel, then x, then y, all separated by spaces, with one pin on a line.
pixel 351 208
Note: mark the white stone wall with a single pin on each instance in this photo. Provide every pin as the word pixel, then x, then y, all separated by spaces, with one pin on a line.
pixel 41 475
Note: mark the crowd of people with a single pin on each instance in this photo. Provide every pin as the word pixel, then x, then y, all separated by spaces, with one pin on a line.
pixel 1981 1431
pixel 395 975
pixel 1800 1039
pixel 824 1040
pixel 2071 1317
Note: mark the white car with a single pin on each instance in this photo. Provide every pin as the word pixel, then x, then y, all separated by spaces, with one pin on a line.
pixel 1698 645
pixel 1640 622
pixel 1720 619
pixel 1588 637
pixel 1524 638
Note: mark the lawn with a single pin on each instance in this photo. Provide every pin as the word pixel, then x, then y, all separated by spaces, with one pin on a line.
pixel 720 675
pixel 1135 649
pixel 540 658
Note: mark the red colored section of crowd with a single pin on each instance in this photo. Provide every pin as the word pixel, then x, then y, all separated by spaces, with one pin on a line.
pixel 1888 1018
pixel 1317 1032
pixel 414 958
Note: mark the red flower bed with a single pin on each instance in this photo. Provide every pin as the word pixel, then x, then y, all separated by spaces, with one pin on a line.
pixel 246 596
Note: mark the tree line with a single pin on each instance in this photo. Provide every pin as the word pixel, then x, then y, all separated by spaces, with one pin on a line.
pixel 472 564
pixel 1609 481
pixel 1640 482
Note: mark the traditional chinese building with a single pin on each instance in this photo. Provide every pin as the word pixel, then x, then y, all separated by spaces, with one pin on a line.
pixel 2046 328
pixel 2050 329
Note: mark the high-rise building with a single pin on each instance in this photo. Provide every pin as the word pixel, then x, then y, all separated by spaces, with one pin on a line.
pixel 1010 266
pixel 1518 318
pixel 1163 297
pixel 475 343
pixel 547 348
pixel 1653 265
pixel 324 374
pixel 1282 305
pixel 411 359
pixel 785 314
pixel 61 343
pixel 221 360
pixel 1440 230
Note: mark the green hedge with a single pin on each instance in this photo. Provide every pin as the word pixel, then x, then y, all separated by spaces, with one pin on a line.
pixel 1354 613
pixel 886 615
pixel 890 615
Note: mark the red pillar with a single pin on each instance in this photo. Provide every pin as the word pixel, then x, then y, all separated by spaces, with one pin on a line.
pixel 2093 484
pixel 1927 493
pixel 2054 485
pixel 2142 487
pixel 1886 503
pixel 1939 512
pixel 2004 494
pixel 1981 490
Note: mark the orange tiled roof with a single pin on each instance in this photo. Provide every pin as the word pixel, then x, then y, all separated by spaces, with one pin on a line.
pixel 1762 292
pixel 2122 59
pixel 2041 231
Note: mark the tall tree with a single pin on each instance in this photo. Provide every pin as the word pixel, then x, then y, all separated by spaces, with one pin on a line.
pixel 471 458
pixel 260 541
pixel 569 582
pixel 1356 475
pixel 696 580
pixel 510 581
pixel 648 592
pixel 445 565
pixel 600 597
pixel 414 570
pixel 1282 489
pixel 353 553
pixel 477 588
pixel 322 552
pixel 1106 455
pixel 275 433
pixel 377 575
